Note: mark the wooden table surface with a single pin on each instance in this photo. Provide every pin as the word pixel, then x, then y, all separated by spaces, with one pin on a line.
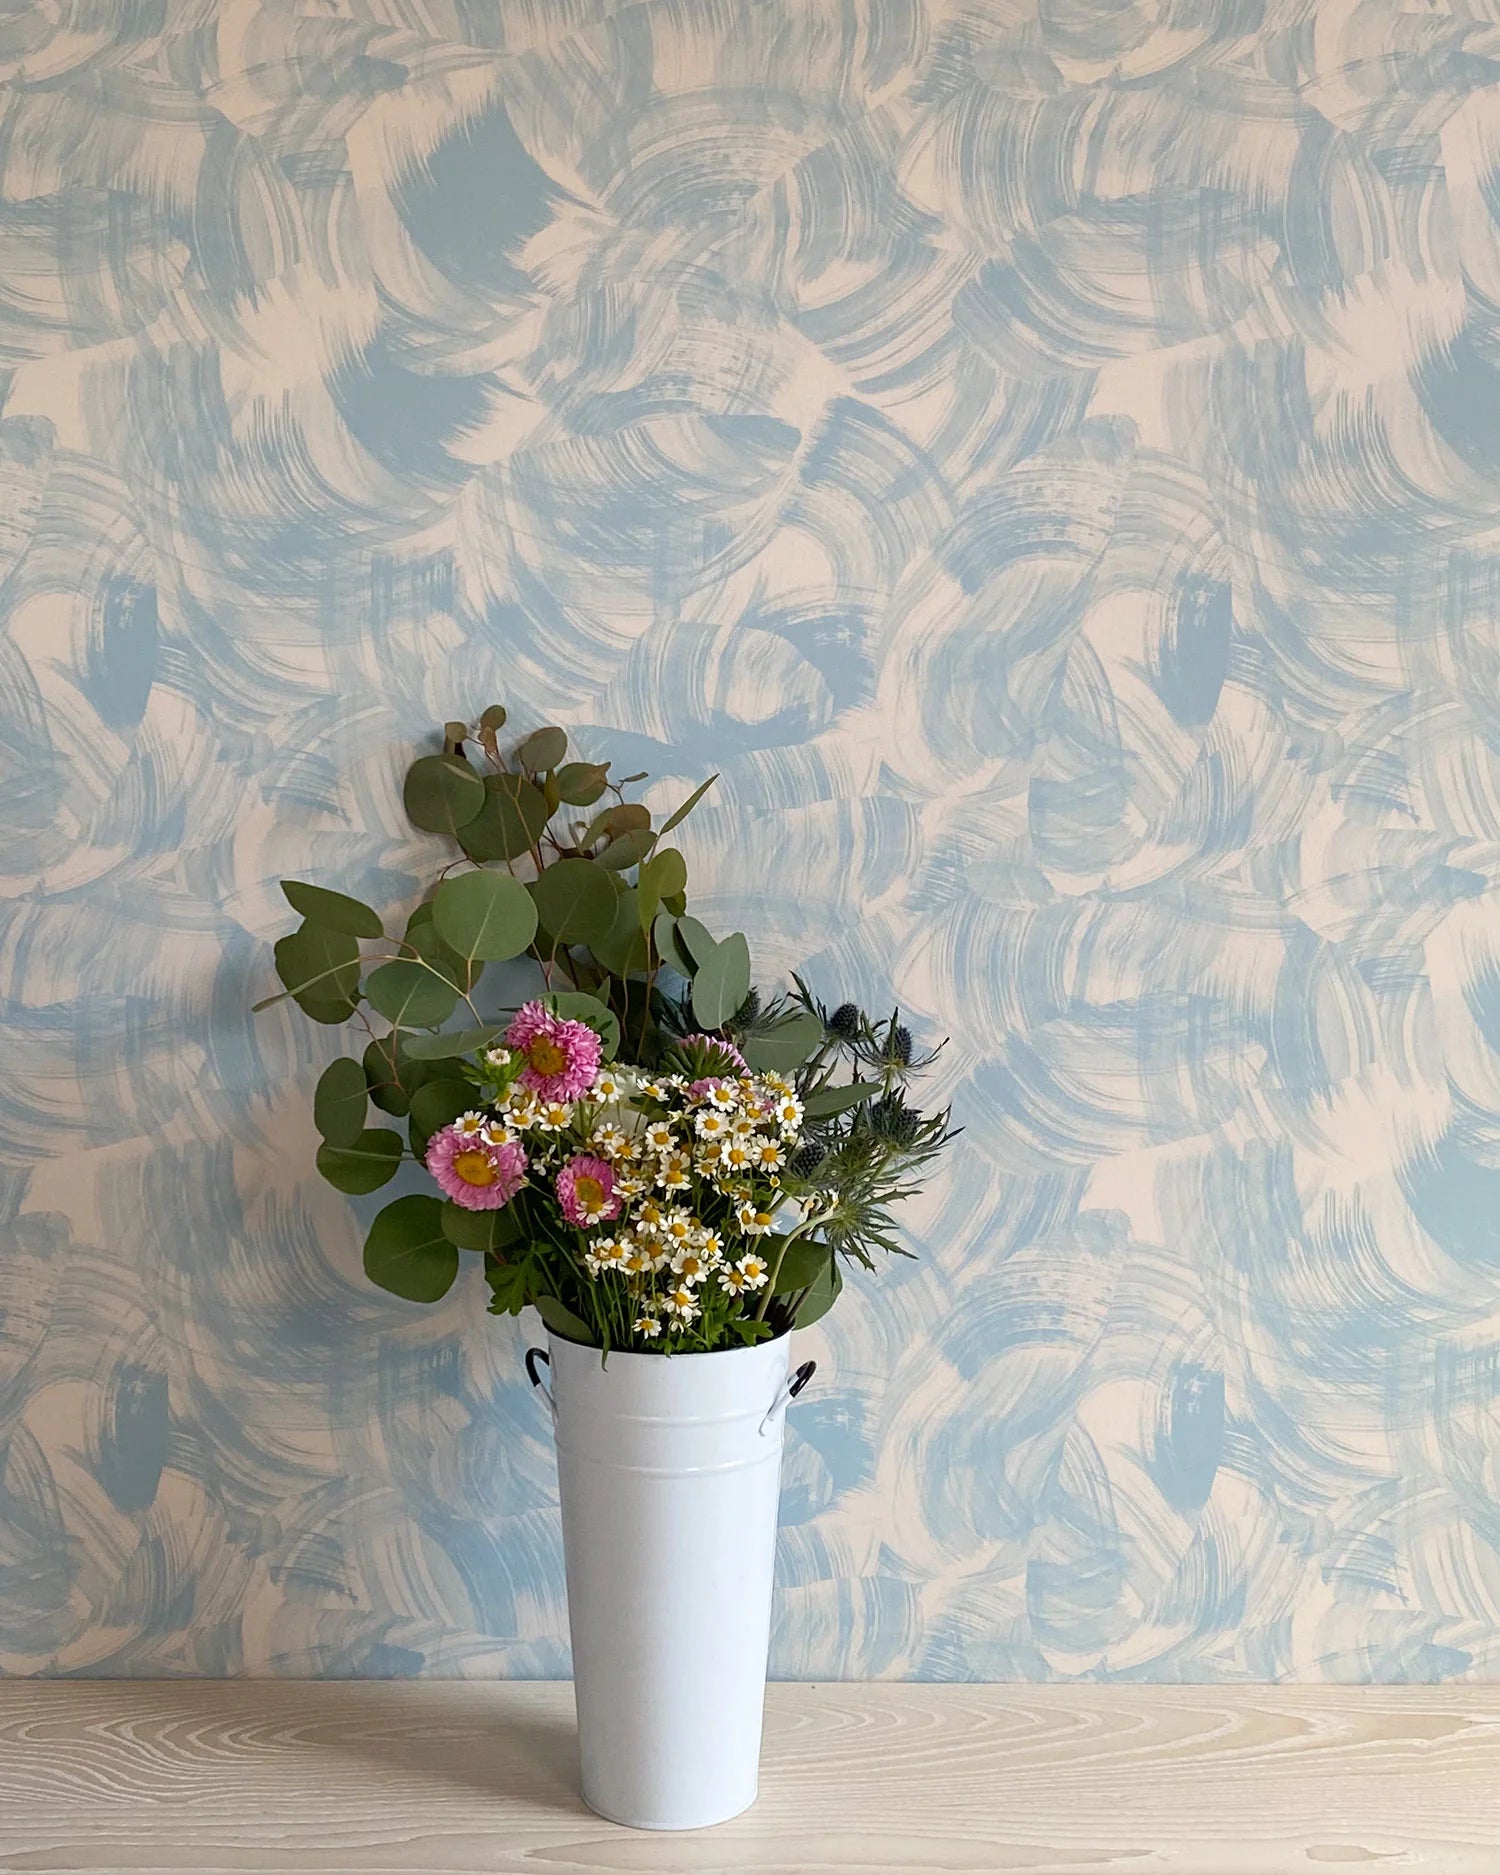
pixel 288 1778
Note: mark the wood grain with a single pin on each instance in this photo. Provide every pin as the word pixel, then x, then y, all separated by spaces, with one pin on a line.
pixel 285 1778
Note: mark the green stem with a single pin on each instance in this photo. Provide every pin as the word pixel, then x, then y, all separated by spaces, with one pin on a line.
pixel 808 1224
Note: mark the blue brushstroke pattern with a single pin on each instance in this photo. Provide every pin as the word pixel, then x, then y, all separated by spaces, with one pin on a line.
pixel 1044 458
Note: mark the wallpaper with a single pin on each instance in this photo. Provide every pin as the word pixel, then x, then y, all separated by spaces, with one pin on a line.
pixel 1045 454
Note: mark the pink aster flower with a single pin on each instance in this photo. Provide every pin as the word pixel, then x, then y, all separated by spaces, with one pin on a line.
pixel 562 1056
pixel 474 1173
pixel 586 1191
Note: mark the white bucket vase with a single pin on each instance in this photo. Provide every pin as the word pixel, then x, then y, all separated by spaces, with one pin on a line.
pixel 669 1473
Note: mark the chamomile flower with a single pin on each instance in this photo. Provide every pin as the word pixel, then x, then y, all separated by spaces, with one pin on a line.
pixel 655 1090
pixel 789 1113
pixel 647 1325
pixel 659 1137
pixel 497 1057
pixel 723 1095
pixel 751 1218
pixel 675 1172
pixel 742 1127
pixel 710 1124
pixel 708 1155
pixel 641 1258
pixel 555 1116
pixel 469 1126
pixel 630 1185
pixel 739 1156
pixel 521 1107
pixel 680 1226
pixel 711 1244
pixel 610 1084
pixel 690 1265
pixel 651 1215
pixel 769 1155
pixel 732 1280
pixel 755 1270
pixel 605 1253
pixel 496 1133
pixel 608 1141
pixel 681 1303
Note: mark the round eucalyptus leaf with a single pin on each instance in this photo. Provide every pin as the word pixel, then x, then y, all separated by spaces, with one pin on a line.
pixel 320 965
pixel 336 910
pixel 669 946
pixel 479 1230
pixel 581 783
pixel 543 749
pixel 510 822
pixel 622 949
pixel 340 1101
pixel 437 1104
pixel 384 1078
pixel 786 1046
pixel 366 1165
pixel 409 995
pixel 406 1252
pixel 626 850
pixel 485 915
pixel 722 982
pixel 442 793
pixel 453 1042
pixel 575 901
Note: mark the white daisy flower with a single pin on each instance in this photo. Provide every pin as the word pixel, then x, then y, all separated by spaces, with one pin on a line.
pixel 752 1219
pixel 659 1137
pixel 738 1156
pixel 732 1280
pixel 710 1124
pixel 691 1265
pixel 723 1096
pixel 769 1155
pixel 755 1270
pixel 675 1173
pixel 681 1303
pixel 789 1113
pixel 648 1325
pixel 470 1125
pixel 496 1133
pixel 555 1116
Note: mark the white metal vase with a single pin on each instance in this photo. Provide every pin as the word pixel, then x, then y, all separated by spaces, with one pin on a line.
pixel 669 1473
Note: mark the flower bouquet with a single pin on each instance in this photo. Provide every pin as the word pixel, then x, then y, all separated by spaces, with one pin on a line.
pixel 651 1153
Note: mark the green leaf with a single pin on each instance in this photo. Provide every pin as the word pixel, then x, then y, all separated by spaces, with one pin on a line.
pixel 831 1100
pixel 661 875
pixel 722 982
pixel 409 995
pixel 622 949
pixel 438 1103
pixel 510 1287
pixel 333 909
pixel 383 1073
pixel 749 1329
pixel 479 1230
pixel 407 1253
pixel 339 1102
pixel 676 903
pixel 579 1006
pixel 453 1042
pixel 493 717
pixel 562 1321
pixel 366 1165
pixel 628 817
pixel 626 850
pixel 575 901
pixel 785 1046
pixel 695 940
pixel 423 939
pixel 678 815
pixel 669 947
pixel 320 964
pixel 542 749
pixel 510 822
pixel 442 793
pixel 329 1013
pixel 821 1297
pixel 487 915
pixel 455 735
pixel 802 1263
pixel 581 783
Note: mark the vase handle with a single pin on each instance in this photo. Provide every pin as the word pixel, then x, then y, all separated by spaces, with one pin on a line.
pixel 533 1355
pixel 786 1393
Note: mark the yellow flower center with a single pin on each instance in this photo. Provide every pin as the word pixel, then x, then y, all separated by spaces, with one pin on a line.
pixel 545 1056
pixel 474 1168
pixel 589 1193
